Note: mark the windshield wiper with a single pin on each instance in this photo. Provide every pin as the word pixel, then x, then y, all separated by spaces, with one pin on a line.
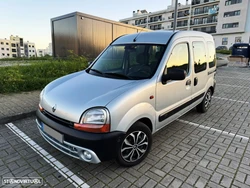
pixel 95 70
pixel 118 75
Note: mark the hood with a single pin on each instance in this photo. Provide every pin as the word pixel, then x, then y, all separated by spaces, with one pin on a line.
pixel 75 93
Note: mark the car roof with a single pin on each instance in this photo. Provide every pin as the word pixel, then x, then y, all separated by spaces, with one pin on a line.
pixel 157 37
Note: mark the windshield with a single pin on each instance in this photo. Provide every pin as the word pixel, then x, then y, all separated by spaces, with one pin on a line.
pixel 129 61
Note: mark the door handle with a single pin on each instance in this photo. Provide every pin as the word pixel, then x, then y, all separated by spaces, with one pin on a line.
pixel 188 83
pixel 195 81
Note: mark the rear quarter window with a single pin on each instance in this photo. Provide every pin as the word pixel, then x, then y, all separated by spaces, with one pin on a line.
pixel 199 51
pixel 211 54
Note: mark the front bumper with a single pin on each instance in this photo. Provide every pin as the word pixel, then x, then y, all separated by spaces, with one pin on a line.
pixel 101 146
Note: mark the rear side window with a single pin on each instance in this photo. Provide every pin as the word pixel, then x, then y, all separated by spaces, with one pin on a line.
pixel 200 63
pixel 211 54
pixel 179 57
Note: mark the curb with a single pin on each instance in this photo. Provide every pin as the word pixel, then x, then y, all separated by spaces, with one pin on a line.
pixel 17 117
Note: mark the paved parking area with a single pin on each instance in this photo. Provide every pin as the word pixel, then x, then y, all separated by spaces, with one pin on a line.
pixel 198 150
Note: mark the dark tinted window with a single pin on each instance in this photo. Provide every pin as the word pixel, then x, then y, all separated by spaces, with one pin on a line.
pixel 211 54
pixel 179 57
pixel 200 63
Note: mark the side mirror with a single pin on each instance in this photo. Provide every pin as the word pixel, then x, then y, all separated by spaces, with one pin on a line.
pixel 174 74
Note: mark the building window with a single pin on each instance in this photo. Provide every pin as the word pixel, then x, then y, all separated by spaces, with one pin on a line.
pixel 232 13
pixel 196 11
pixel 7 43
pixel 13 50
pixel 13 55
pixel 230 25
pixel 204 20
pixel 3 54
pixel 196 21
pixel 2 48
pixel 8 55
pixel 231 2
pixel 29 50
pixel 224 41
pixel 7 49
pixel 2 43
pixel 29 46
pixel 237 39
pixel 33 50
pixel 13 45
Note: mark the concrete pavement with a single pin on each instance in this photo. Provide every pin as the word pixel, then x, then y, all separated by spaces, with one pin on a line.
pixel 18 106
pixel 197 150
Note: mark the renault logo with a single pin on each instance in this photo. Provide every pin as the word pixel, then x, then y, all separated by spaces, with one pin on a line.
pixel 54 108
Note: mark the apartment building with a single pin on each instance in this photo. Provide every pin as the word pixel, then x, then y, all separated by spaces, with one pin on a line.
pixel 226 20
pixel 16 47
pixel 5 48
pixel 233 23
pixel 47 51
pixel 30 49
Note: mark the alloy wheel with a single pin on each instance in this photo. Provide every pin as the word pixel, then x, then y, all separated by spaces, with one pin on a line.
pixel 134 146
pixel 208 99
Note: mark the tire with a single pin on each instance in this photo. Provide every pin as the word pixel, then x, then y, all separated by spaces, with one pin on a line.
pixel 135 146
pixel 206 102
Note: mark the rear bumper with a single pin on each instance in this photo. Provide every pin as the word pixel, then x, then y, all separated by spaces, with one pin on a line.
pixel 101 146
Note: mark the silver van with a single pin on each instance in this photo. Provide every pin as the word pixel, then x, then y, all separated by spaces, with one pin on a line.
pixel 140 83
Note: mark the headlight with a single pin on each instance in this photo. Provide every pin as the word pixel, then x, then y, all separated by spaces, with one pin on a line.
pixel 94 120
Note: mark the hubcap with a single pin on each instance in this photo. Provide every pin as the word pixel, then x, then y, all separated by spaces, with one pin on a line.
pixel 208 99
pixel 134 146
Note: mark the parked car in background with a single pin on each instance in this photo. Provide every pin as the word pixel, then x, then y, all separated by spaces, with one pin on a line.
pixel 221 48
pixel 140 83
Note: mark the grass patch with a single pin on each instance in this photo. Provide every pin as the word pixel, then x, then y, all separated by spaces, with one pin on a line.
pixel 37 74
pixel 224 51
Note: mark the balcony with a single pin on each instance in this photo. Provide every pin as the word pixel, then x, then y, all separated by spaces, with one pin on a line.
pixel 200 22
pixel 156 20
pixel 201 12
pixel 179 16
pixel 198 2
pixel 180 25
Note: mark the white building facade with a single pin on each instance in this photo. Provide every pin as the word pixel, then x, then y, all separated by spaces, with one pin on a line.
pixel 226 20
pixel 30 49
pixel 47 51
pixel 233 23
pixel 5 48
pixel 15 47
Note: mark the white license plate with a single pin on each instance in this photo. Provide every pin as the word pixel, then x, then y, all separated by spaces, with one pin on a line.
pixel 53 133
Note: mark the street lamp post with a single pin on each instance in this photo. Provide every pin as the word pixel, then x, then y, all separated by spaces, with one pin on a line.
pixel 175 14
pixel 189 17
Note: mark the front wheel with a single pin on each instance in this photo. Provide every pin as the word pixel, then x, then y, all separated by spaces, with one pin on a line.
pixel 135 146
pixel 206 102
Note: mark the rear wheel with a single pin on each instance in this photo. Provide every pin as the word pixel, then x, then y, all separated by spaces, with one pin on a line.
pixel 135 146
pixel 206 102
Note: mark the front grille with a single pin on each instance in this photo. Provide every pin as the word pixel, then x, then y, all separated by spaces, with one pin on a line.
pixel 58 120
